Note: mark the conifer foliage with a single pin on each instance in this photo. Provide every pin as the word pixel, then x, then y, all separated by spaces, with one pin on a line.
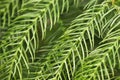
pixel 59 40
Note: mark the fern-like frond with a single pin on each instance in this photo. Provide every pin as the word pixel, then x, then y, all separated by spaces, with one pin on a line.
pixel 8 9
pixel 92 3
pixel 20 42
pixel 84 48
pixel 75 44
pixel 100 64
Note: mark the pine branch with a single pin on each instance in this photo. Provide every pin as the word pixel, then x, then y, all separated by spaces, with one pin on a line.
pixel 21 39
pixel 73 46
pixel 8 10
pixel 101 62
